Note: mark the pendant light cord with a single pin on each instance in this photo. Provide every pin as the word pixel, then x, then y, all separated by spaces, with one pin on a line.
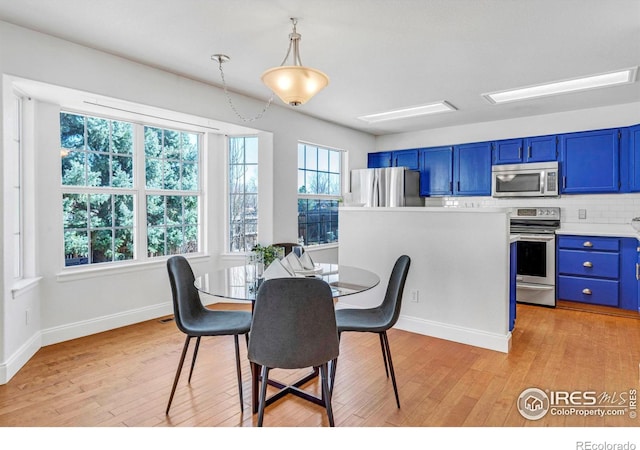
pixel 226 93
pixel 294 39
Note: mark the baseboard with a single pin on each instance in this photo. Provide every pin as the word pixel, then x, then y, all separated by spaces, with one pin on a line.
pixel 75 330
pixel 469 336
pixel 99 324
pixel 10 367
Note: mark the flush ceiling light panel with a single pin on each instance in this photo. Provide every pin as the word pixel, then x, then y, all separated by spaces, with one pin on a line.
pixel 562 87
pixel 413 111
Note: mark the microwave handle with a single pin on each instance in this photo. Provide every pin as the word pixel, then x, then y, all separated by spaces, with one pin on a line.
pixel 543 181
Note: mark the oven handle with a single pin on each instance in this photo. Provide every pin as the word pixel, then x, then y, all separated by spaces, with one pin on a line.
pixel 535 287
pixel 536 237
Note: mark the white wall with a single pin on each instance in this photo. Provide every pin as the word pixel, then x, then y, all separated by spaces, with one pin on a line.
pixel 461 277
pixel 71 306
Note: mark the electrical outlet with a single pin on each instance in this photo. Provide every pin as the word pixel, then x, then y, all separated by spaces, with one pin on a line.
pixel 415 297
pixel 582 214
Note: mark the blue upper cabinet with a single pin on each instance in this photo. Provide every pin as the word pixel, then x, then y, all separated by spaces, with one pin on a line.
pixel 458 170
pixel 406 158
pixel 399 158
pixel 634 157
pixel 541 148
pixel 379 159
pixel 590 161
pixel 523 150
pixel 436 171
pixel 472 169
pixel 508 151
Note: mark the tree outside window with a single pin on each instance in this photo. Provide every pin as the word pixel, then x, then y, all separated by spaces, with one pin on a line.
pixel 243 193
pixel 99 195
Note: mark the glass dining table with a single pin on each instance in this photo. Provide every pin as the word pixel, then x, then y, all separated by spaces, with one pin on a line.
pixel 240 283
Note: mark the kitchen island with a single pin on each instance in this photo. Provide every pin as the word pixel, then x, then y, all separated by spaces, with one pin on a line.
pixel 458 287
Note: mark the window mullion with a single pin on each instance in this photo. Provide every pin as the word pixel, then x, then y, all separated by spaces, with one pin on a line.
pixel 140 202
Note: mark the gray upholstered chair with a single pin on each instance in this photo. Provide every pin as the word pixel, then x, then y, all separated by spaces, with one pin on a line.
pixel 194 320
pixel 378 319
pixel 293 327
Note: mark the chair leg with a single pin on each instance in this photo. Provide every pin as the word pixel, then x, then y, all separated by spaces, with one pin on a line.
pixel 384 355
pixel 239 371
pixel 332 372
pixel 263 394
pixel 195 355
pixel 332 376
pixel 393 375
pixel 177 377
pixel 324 375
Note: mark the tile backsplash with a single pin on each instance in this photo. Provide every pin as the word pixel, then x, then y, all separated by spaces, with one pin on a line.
pixel 600 208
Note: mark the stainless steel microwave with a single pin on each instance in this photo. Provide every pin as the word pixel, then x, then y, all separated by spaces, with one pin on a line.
pixel 525 180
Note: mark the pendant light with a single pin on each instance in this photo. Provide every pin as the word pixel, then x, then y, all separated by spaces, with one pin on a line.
pixel 295 84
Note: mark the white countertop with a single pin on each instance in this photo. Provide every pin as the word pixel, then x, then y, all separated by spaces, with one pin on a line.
pixel 599 229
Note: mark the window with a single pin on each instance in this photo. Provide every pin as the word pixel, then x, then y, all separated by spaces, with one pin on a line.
pixel 100 192
pixel 171 167
pixel 243 193
pixel 14 159
pixel 319 189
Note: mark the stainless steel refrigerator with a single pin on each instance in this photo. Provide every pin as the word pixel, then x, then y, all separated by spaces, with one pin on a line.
pixel 389 186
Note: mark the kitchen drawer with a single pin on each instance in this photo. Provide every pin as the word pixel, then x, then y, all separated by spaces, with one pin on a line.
pixel 589 243
pixel 588 290
pixel 589 263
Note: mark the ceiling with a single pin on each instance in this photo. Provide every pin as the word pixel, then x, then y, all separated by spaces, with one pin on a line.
pixel 379 55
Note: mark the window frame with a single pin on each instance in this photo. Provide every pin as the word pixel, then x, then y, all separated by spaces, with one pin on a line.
pixel 139 192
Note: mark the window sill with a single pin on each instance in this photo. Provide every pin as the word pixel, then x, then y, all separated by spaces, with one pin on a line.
pixel 311 248
pixel 88 271
pixel 23 286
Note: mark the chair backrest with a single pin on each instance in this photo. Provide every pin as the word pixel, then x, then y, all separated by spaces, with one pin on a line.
pixel 294 324
pixel 187 307
pixel 393 297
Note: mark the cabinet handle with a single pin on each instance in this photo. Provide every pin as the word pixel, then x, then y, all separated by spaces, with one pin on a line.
pixel 529 152
pixel 586 291
pixel 587 244
pixel 637 271
pixel 519 152
pixel 587 264
pixel 564 182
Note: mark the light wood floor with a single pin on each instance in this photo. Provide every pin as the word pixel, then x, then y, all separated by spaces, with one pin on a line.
pixel 123 378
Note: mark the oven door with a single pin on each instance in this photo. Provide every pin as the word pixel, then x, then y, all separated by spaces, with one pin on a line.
pixel 536 259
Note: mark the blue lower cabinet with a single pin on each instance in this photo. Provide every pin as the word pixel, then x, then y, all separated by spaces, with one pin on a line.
pixel 588 290
pixel 598 270
pixel 629 270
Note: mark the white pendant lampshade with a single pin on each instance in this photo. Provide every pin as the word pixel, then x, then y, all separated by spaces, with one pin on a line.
pixel 294 84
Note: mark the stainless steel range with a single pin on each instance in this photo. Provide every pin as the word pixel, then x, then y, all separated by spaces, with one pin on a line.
pixel 536 246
